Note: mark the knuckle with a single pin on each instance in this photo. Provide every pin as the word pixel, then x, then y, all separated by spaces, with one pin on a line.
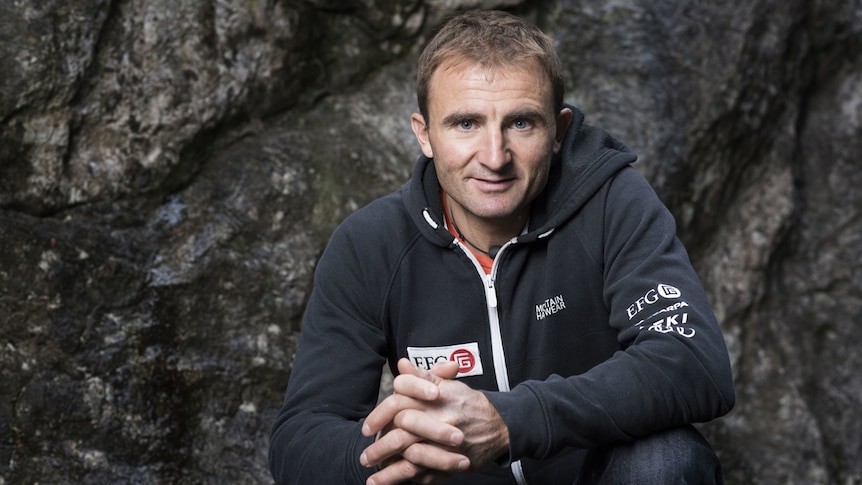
pixel 401 439
pixel 398 403
pixel 389 404
pixel 406 469
pixel 414 453
pixel 406 419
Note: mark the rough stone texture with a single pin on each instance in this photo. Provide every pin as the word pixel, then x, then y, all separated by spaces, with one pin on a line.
pixel 746 117
pixel 170 171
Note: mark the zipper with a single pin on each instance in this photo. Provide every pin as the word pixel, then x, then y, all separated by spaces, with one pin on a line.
pixel 499 357
pixel 490 291
pixel 500 369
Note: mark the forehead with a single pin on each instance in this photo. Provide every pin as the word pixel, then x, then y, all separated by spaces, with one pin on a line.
pixel 458 79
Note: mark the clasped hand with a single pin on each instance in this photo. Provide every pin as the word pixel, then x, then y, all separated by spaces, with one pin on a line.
pixel 431 427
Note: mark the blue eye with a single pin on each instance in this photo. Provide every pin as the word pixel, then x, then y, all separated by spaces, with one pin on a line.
pixel 465 124
pixel 521 124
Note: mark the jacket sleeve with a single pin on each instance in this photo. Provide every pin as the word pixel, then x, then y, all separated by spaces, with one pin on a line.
pixel 335 377
pixel 675 367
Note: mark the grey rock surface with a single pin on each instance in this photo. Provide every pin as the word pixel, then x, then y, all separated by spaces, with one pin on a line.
pixel 171 170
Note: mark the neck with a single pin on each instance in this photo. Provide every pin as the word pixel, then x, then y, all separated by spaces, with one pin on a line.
pixel 479 236
pixel 491 252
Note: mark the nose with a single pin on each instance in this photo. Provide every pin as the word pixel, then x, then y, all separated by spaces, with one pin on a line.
pixel 495 152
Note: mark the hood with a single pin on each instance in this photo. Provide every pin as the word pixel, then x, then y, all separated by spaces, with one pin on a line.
pixel 587 158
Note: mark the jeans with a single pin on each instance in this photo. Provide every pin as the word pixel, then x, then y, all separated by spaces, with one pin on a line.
pixel 676 456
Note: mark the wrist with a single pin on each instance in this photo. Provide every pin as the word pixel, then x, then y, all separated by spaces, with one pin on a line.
pixel 527 433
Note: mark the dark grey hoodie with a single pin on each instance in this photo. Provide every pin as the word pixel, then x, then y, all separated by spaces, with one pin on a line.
pixel 592 327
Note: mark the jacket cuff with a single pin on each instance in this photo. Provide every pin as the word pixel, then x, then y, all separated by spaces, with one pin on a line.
pixel 529 432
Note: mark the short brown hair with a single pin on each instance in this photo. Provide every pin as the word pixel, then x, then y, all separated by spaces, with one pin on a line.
pixel 488 38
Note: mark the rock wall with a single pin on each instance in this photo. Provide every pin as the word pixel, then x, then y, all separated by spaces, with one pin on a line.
pixel 170 171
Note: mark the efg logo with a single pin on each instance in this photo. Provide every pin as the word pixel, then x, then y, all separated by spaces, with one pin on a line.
pixel 466 355
pixel 465 360
pixel 667 291
pixel 652 296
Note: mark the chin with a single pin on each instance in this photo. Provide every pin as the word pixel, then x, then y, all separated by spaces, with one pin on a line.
pixel 496 214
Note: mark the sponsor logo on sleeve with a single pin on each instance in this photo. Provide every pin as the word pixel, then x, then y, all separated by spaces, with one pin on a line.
pixel 667 291
pixel 652 297
pixel 667 319
pixel 671 323
pixel 465 355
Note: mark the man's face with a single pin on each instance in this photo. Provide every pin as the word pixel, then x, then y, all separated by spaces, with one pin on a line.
pixel 492 133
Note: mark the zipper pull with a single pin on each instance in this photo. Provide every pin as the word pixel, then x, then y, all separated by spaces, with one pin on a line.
pixel 490 292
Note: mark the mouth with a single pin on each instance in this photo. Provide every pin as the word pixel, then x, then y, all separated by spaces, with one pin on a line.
pixel 493 184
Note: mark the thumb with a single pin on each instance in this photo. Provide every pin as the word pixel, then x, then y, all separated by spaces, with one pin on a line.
pixel 420 383
pixel 440 371
pixel 445 370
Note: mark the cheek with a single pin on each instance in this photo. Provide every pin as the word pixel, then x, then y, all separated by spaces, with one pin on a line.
pixel 540 161
pixel 540 178
pixel 450 155
pixel 540 168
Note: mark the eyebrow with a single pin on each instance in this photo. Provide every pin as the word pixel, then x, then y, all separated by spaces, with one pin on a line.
pixel 458 116
pixel 527 113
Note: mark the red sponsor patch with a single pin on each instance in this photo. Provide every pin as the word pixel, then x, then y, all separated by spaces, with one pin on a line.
pixel 465 360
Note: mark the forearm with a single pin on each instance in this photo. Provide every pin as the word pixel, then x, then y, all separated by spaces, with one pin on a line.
pixel 317 451
pixel 317 435
pixel 637 392
pixel 334 380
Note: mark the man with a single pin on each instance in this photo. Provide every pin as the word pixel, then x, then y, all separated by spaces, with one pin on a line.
pixel 527 288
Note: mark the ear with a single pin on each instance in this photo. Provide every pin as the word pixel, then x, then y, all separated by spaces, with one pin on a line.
pixel 564 119
pixel 420 129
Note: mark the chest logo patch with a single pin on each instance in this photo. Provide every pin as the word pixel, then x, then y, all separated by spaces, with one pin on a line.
pixel 549 307
pixel 465 355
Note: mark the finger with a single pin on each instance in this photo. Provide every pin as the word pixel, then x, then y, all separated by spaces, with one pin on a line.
pixel 429 428
pixel 394 473
pixel 385 412
pixel 431 477
pixel 406 368
pixel 436 458
pixel 389 445
pixel 422 384
pixel 445 370
pixel 417 387
pixel 441 370
pixel 402 470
